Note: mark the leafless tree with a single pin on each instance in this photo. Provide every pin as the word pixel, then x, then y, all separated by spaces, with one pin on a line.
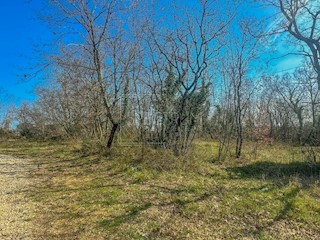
pixel 101 50
pixel 190 48
pixel 301 19
pixel 306 76
pixel 238 64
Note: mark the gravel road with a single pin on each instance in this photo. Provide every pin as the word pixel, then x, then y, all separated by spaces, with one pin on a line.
pixel 16 211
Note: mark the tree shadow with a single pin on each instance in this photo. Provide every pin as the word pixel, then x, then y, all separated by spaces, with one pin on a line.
pixel 280 174
pixel 288 200
pixel 176 204
pixel 130 215
pixel 306 173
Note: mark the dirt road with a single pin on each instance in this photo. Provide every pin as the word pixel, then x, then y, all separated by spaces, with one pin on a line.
pixel 16 211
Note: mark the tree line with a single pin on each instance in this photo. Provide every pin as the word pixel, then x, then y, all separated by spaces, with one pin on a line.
pixel 167 73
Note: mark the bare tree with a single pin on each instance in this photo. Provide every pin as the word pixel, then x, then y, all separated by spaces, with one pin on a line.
pixel 301 19
pixel 240 55
pixel 223 117
pixel 308 79
pixel 101 50
pixel 190 48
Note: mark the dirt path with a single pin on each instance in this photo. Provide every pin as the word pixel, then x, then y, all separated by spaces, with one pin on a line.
pixel 16 211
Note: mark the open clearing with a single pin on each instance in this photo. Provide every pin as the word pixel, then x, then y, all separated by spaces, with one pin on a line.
pixel 67 193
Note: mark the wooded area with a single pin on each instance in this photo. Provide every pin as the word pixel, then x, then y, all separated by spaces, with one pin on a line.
pixel 168 119
pixel 129 71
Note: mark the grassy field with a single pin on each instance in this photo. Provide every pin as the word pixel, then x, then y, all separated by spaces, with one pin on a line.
pixel 81 194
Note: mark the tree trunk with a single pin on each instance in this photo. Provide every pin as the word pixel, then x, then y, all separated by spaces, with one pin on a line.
pixel 114 129
pixel 300 119
pixel 239 144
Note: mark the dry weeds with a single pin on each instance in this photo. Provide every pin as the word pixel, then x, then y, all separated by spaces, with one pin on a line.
pixel 77 196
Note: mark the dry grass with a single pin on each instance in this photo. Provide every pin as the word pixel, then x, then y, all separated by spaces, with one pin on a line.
pixel 121 195
pixel 16 211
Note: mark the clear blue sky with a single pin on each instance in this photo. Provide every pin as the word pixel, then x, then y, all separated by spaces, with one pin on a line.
pixel 19 32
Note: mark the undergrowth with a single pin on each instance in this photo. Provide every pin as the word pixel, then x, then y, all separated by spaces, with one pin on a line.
pixel 87 192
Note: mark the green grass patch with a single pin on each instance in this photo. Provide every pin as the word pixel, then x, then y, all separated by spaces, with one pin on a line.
pixel 89 193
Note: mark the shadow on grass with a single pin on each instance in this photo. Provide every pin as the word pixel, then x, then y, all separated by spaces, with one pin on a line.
pixel 280 174
pixel 288 200
pixel 306 172
pixel 176 203
pixel 288 205
pixel 130 215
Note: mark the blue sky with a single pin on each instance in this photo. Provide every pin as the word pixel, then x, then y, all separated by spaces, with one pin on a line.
pixel 20 31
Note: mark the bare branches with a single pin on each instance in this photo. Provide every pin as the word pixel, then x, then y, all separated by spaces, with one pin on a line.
pixel 301 19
